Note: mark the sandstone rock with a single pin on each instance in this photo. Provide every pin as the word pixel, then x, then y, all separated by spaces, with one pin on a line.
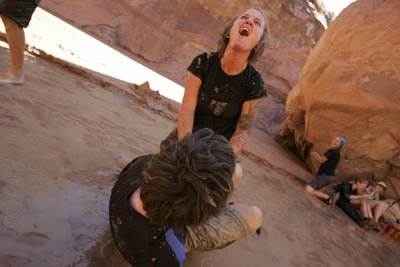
pixel 350 86
pixel 166 35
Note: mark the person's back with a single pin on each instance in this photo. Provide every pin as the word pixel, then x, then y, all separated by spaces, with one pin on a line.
pixel 157 197
pixel 141 243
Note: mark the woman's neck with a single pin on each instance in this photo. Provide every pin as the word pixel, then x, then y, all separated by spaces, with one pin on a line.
pixel 233 62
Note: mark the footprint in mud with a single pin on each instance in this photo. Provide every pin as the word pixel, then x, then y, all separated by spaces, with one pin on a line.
pixel 13 210
pixel 12 122
pixel 32 238
pixel 315 257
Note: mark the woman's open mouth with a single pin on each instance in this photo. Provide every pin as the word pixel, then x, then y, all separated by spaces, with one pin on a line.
pixel 244 32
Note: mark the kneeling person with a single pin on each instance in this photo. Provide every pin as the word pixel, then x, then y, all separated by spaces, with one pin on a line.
pixel 165 204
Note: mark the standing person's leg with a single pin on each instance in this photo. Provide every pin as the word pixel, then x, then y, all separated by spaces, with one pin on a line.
pixel 232 223
pixel 16 41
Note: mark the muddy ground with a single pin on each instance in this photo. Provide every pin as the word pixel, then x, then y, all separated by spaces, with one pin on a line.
pixel 66 134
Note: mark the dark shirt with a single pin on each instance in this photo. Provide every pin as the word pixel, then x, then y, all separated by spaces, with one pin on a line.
pixel 345 190
pixel 328 167
pixel 141 243
pixel 221 96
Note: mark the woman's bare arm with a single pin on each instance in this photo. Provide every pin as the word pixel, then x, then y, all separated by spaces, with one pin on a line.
pixel 188 106
pixel 245 122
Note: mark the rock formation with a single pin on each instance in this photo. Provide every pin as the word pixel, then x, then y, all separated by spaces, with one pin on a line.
pixel 350 86
pixel 166 35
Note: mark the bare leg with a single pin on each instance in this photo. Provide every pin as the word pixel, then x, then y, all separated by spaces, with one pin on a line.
pixel 252 214
pixel 380 209
pixel 366 209
pixel 308 189
pixel 16 42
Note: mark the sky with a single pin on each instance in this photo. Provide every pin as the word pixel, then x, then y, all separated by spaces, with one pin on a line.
pixel 337 5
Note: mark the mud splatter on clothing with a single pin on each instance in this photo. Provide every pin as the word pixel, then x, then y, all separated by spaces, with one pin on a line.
pixel 221 96
pixel 217 107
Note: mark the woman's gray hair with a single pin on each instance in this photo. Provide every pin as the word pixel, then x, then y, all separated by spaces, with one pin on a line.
pixel 257 51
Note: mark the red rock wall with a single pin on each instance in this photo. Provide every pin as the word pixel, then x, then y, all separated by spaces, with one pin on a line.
pixel 350 86
pixel 165 35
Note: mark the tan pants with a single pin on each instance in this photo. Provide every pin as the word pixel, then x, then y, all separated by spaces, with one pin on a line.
pixel 221 230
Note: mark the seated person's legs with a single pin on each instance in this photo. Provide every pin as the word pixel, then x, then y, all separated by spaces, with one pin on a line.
pixel 364 207
pixel 380 208
pixel 351 212
pixel 310 190
pixel 232 223
pixel 316 184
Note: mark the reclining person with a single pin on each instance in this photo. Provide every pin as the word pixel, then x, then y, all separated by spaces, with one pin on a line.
pixel 349 192
pixel 165 204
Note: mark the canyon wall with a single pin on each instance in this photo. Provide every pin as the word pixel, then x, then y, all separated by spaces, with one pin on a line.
pixel 350 86
pixel 165 35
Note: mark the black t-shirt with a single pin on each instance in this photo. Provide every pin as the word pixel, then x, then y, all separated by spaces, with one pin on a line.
pixel 345 190
pixel 328 167
pixel 141 243
pixel 220 98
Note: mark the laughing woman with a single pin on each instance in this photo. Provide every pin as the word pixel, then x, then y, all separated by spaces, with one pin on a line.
pixel 223 90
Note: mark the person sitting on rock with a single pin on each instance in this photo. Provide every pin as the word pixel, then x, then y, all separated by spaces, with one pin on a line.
pixel 176 200
pixel 326 172
pixel 392 214
pixel 348 192
pixel 372 203
pixel 16 15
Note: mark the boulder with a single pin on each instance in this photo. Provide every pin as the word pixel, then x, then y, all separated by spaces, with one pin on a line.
pixel 350 86
pixel 165 35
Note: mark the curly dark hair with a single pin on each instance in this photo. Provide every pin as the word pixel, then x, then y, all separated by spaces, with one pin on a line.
pixel 189 181
pixel 257 51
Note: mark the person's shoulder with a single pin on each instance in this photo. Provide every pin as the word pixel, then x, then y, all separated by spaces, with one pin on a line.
pixel 255 83
pixel 346 185
pixel 201 63
pixel 207 56
pixel 137 164
pixel 335 151
pixel 254 74
pixel 141 160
